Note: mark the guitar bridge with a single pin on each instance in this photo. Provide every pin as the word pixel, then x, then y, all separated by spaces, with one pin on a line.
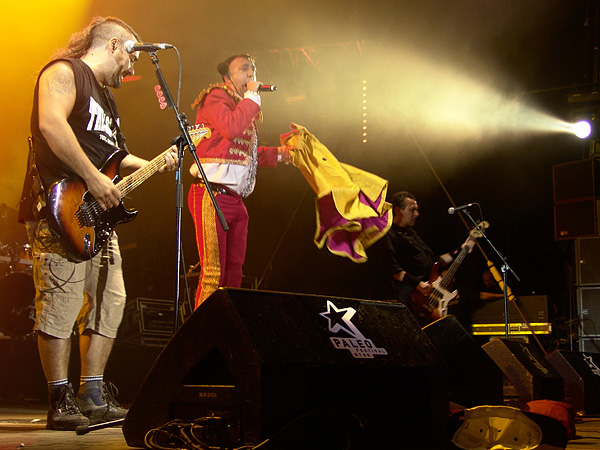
pixel 86 215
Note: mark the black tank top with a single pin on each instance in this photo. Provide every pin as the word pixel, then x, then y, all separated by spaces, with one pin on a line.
pixel 94 120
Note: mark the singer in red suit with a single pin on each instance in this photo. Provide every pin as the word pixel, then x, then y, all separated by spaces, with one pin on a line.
pixel 229 159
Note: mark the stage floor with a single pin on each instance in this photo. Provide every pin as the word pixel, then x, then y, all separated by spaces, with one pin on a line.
pixel 23 427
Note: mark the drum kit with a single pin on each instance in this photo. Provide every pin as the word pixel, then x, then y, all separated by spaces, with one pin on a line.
pixel 17 290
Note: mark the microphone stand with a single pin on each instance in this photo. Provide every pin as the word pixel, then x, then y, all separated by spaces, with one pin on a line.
pixel 505 268
pixel 184 139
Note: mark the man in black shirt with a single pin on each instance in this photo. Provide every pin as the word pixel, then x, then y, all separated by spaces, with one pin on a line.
pixel 75 128
pixel 411 259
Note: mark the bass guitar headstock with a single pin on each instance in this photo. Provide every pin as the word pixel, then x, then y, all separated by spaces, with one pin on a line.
pixel 477 232
pixel 199 132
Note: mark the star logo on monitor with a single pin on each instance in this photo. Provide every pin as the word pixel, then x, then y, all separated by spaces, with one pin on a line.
pixel 340 321
pixel 590 362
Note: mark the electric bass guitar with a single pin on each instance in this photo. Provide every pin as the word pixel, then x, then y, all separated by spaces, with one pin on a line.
pixel 74 214
pixel 435 306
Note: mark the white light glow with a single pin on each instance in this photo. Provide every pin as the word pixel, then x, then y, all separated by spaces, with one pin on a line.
pixel 582 129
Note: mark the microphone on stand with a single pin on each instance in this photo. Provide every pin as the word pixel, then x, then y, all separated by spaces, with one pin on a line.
pixel 267 88
pixel 131 46
pixel 453 209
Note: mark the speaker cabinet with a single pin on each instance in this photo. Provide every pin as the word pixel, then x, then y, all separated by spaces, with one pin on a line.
pixel 263 360
pixel 587 267
pixel 575 203
pixel 588 303
pixel 575 219
pixel 581 379
pixel 474 379
pixel 589 344
pixel 526 368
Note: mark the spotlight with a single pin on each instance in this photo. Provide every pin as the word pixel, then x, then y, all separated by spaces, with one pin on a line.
pixel 582 129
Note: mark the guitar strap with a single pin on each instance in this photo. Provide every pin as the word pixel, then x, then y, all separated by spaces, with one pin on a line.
pixel 120 135
pixel 33 197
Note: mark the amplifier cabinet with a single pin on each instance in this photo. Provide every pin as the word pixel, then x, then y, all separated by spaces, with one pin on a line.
pixel 148 321
pixel 534 307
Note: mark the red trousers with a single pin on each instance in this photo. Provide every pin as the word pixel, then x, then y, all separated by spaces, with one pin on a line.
pixel 221 253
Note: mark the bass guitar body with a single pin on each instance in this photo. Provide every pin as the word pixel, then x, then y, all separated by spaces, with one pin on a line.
pixel 434 306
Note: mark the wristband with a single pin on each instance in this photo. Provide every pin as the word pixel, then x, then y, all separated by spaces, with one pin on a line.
pixel 253 95
pixel 411 280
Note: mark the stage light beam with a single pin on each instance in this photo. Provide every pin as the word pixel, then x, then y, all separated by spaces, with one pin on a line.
pixel 446 103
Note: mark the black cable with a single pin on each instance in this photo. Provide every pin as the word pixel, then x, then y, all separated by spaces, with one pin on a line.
pixel 184 435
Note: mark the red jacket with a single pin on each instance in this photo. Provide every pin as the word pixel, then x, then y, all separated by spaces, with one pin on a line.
pixel 232 123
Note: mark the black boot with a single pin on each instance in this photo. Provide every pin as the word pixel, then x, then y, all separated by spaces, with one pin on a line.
pixel 64 413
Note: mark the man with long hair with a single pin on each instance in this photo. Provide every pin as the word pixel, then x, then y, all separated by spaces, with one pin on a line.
pixel 75 128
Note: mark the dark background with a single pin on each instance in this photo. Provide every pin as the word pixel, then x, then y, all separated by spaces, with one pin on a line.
pixel 465 101
pixel 536 52
pixel 442 80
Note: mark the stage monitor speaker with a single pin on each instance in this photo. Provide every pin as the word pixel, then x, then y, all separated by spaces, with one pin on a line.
pixel 473 378
pixel 526 368
pixel 581 378
pixel 588 303
pixel 575 203
pixel 263 361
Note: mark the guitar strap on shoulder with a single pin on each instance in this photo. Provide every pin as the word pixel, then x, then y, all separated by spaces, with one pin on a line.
pixel 33 198
pixel 120 135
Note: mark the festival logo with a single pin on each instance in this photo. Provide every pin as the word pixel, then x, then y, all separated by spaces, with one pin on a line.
pixel 535 362
pixel 590 362
pixel 348 337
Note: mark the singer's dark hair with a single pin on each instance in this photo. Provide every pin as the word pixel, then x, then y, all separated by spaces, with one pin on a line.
pixel 399 199
pixel 223 68
pixel 95 34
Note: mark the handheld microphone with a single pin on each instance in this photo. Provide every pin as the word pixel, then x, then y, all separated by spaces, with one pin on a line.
pixel 452 209
pixel 131 46
pixel 267 88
